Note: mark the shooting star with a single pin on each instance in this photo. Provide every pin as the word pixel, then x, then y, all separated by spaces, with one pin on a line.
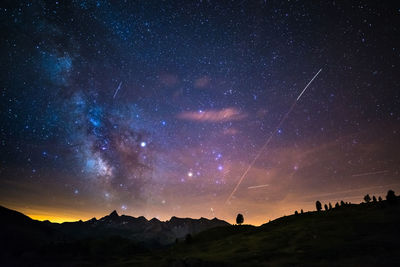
pixel 369 173
pixel 116 91
pixel 269 139
pixel 257 186
pixel 308 84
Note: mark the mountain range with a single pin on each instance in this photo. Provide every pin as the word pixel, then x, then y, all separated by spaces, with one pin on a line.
pixel 151 232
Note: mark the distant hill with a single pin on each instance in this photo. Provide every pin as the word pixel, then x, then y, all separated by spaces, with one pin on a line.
pixel 367 234
pixel 20 234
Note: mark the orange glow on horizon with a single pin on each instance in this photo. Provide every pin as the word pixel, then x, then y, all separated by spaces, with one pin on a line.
pixel 53 218
pixel 254 213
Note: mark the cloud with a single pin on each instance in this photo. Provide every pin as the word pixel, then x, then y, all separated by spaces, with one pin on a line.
pixel 223 115
pixel 230 131
pixel 202 82
pixel 169 79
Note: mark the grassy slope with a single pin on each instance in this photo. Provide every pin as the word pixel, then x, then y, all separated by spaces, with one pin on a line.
pixel 356 235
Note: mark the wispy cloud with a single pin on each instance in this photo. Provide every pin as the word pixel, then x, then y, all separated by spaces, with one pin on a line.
pixel 169 79
pixel 222 115
pixel 230 131
pixel 202 82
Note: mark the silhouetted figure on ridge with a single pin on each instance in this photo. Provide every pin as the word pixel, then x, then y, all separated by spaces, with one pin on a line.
pixel 326 207
pixel 337 205
pixel 342 203
pixel 239 219
pixel 373 198
pixel 330 206
pixel 380 199
pixel 318 205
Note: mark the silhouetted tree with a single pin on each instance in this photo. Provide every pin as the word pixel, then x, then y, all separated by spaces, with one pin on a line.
pixel 330 205
pixel 188 238
pixel 373 199
pixel 296 213
pixel 301 211
pixel 379 198
pixel 239 219
pixel 367 198
pixel 342 203
pixel 326 207
pixel 337 205
pixel 318 205
pixel 391 197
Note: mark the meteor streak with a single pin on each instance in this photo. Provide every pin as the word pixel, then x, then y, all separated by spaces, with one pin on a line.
pixel 257 186
pixel 315 76
pixel 369 173
pixel 116 91
pixel 269 139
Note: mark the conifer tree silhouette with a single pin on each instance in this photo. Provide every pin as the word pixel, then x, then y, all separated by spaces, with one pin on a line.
pixel 367 198
pixel 318 205
pixel 239 219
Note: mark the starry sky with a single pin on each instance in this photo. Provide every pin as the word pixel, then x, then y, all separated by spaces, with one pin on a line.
pixel 157 108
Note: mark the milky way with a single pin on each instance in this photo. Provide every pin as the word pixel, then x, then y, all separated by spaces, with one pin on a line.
pixel 157 108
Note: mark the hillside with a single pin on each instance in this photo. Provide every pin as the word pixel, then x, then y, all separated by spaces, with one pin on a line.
pixel 351 235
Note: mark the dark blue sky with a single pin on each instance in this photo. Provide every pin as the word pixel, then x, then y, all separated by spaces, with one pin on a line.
pixel 156 108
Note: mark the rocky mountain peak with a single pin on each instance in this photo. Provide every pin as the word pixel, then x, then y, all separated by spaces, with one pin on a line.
pixel 113 214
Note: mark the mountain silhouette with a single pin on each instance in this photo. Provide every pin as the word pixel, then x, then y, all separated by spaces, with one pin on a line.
pixel 112 215
pixel 350 235
pixel 151 232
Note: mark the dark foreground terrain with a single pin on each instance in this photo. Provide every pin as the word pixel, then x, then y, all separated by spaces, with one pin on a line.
pixel 350 235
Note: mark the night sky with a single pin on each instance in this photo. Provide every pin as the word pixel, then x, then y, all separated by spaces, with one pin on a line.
pixel 157 108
